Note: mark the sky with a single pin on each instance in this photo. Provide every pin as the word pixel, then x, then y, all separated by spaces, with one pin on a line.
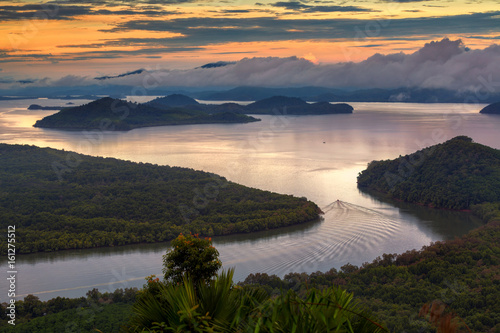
pixel 384 43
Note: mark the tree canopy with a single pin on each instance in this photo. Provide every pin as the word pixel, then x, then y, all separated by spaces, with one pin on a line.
pixel 193 256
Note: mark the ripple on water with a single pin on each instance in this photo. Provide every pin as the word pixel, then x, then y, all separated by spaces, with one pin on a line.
pixel 348 231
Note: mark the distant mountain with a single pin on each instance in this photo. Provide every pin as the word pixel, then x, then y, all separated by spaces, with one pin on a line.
pixel 313 94
pixel 114 114
pixel 294 105
pixel 258 93
pixel 491 109
pixel 226 107
pixel 173 100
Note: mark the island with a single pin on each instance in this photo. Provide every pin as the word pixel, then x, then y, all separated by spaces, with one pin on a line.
pixel 118 115
pixel 63 200
pixel 275 105
pixel 491 109
pixel 173 100
pixel 39 107
pixel 295 106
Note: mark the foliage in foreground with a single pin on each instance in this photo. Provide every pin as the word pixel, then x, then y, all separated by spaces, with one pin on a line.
pixel 218 306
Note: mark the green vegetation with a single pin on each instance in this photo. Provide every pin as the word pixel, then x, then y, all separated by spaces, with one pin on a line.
pixel 456 174
pixel 62 200
pixel 113 114
pixel 193 255
pixel 105 311
pixel 219 306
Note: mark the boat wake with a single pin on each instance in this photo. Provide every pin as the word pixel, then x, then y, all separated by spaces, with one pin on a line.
pixel 348 233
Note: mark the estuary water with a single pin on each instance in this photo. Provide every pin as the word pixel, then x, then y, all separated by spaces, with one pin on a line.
pixel 318 157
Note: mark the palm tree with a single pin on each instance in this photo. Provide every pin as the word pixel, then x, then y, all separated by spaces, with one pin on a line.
pixel 220 306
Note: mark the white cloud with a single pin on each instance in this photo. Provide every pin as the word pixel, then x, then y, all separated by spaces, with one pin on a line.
pixel 442 64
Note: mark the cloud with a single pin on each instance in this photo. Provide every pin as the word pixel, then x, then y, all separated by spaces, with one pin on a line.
pixel 66 11
pixel 196 31
pixel 42 12
pixel 99 54
pixel 404 1
pixel 139 71
pixel 442 64
pixel 298 6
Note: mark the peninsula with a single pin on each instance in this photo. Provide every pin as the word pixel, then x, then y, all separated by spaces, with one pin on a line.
pixel 96 202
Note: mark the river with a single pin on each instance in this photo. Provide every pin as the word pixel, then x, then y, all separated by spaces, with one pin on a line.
pixel 317 157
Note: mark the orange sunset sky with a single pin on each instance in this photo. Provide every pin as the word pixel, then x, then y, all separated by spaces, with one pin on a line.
pixel 106 37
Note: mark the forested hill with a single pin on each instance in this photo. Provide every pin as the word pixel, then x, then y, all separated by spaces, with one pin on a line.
pixel 296 106
pixel 62 200
pixel 455 175
pixel 114 114
pixel 491 109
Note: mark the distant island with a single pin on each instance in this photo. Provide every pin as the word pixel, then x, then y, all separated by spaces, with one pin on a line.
pixel 295 106
pixel 96 202
pixel 39 107
pixel 456 174
pixel 274 105
pixel 173 100
pixel 491 109
pixel 115 114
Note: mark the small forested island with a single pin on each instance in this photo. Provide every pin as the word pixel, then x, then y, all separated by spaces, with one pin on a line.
pixel 39 107
pixel 295 106
pixel 115 114
pixel 275 105
pixel 491 109
pixel 173 100
pixel 63 200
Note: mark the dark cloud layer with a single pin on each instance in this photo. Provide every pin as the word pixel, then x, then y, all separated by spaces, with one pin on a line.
pixel 67 11
pixel 205 31
pixel 299 6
